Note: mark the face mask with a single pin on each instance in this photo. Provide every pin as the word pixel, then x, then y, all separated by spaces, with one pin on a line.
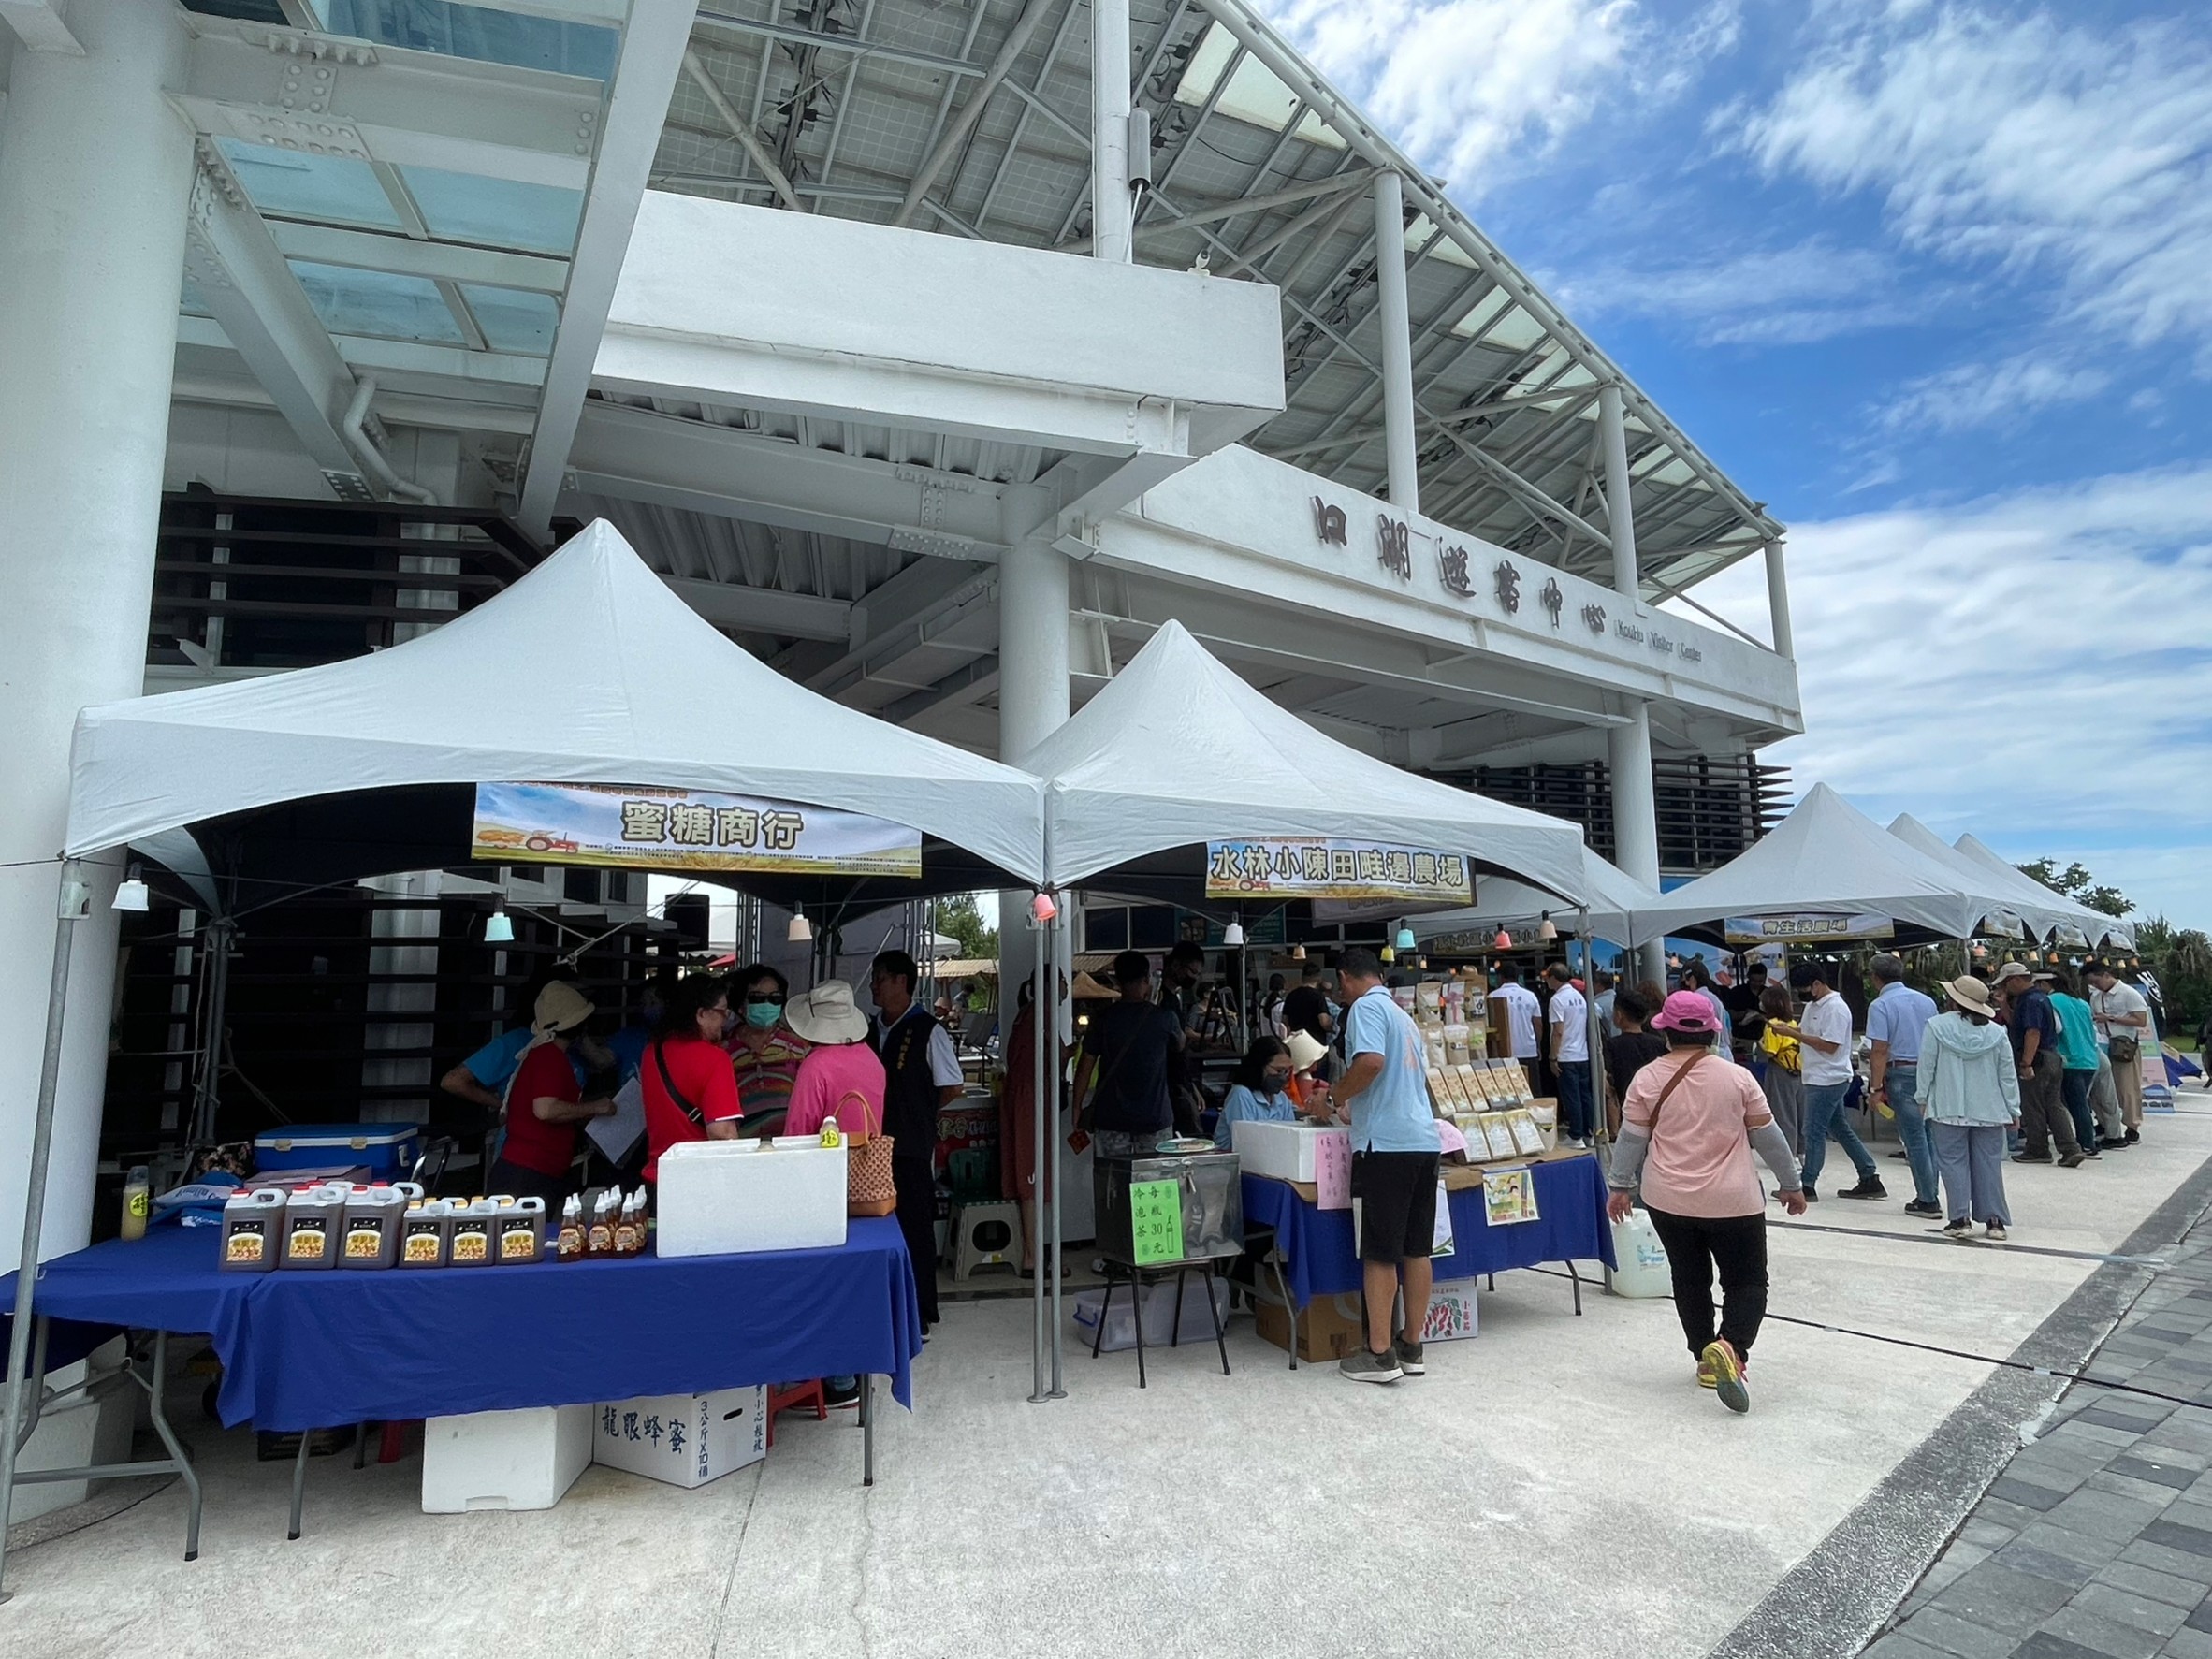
pixel 1276 1082
pixel 761 1016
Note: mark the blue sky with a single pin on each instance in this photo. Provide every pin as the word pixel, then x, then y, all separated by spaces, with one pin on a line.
pixel 1934 280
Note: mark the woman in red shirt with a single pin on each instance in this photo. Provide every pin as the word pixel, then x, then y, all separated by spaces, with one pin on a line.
pixel 689 1094
pixel 545 1102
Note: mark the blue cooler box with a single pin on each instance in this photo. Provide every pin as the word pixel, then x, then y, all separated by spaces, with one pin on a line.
pixel 388 1150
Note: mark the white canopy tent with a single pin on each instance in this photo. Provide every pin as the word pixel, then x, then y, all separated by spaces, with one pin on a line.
pixel 2033 899
pixel 2004 914
pixel 1177 749
pixel 1614 897
pixel 589 670
pixel 1827 857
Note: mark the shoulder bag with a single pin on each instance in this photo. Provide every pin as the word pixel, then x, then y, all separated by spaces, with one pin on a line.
pixel 869 1187
pixel 2126 1047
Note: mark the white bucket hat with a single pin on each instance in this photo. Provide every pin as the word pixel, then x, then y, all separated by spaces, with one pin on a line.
pixel 828 1014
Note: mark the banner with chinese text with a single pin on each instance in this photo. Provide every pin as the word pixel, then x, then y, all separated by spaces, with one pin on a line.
pixel 1807 927
pixel 609 824
pixel 1300 868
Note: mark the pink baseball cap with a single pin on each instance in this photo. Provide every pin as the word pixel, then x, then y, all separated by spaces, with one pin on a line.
pixel 1685 1011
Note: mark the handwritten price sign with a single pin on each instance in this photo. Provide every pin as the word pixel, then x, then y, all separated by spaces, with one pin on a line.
pixel 1155 1221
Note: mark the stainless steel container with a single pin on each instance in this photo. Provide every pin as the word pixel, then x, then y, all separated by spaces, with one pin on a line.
pixel 1212 1190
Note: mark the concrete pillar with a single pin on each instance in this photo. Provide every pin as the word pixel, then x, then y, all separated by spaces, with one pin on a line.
pixel 1032 704
pixel 1110 213
pixel 1404 483
pixel 1636 816
pixel 1778 602
pixel 95 175
pixel 1613 430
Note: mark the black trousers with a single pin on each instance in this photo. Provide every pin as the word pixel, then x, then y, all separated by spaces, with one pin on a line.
pixel 916 1180
pixel 1735 1245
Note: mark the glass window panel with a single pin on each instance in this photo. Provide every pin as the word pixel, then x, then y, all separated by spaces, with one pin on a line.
pixel 1516 332
pixel 380 302
pixel 511 320
pixel 296 185
pixel 475 32
pixel 499 212
pixel 1417 237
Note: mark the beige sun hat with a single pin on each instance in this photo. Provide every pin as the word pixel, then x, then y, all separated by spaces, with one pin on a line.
pixel 1306 1049
pixel 2010 970
pixel 828 1014
pixel 561 1007
pixel 1970 995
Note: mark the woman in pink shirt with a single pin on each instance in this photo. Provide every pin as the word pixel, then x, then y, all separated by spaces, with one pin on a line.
pixel 1690 1124
pixel 841 1076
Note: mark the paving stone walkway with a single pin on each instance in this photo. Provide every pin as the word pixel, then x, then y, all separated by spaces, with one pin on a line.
pixel 2096 1540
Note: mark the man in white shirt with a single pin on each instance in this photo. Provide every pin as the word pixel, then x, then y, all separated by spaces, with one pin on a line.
pixel 1823 1038
pixel 2123 1031
pixel 1567 1029
pixel 1514 1013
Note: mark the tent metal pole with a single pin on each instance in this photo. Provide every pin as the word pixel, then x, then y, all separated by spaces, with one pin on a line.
pixel 1063 974
pixel 1593 1041
pixel 69 910
pixel 1044 1024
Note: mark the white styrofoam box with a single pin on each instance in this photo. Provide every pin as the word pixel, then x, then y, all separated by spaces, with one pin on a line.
pixel 1286 1151
pixel 503 1459
pixel 683 1439
pixel 1452 1313
pixel 1159 1314
pixel 723 1198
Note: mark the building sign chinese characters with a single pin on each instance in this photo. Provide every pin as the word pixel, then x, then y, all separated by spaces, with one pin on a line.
pixel 610 823
pixel 1393 543
pixel 1301 868
pixel 1328 523
pixel 1451 568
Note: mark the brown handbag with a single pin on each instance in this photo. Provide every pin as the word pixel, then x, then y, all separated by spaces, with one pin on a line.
pixel 870 1189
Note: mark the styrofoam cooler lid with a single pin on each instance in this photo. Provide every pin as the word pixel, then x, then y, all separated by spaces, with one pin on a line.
pixel 352 1136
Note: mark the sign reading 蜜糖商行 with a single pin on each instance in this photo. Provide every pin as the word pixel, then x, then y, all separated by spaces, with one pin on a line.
pixel 1292 866
pixel 614 823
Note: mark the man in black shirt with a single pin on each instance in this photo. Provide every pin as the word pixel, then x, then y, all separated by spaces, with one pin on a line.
pixel 1127 1049
pixel 1186 967
pixel 1628 1051
pixel 921 1073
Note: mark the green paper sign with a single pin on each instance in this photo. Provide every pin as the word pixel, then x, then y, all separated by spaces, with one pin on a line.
pixel 1155 1221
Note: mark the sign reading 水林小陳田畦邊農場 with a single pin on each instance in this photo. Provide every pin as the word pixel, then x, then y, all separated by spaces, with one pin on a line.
pixel 678 829
pixel 1295 866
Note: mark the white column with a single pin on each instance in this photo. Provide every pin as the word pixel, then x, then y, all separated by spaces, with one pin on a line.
pixel 1619 519
pixel 95 173
pixel 1032 704
pixel 1778 602
pixel 1110 131
pixel 1404 484
pixel 1636 814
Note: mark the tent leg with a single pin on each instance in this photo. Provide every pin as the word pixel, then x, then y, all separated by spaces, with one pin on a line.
pixel 1593 1037
pixel 1062 975
pixel 69 912
pixel 1044 1024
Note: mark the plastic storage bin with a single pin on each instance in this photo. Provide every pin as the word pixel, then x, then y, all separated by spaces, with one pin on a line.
pixel 503 1459
pixel 726 1198
pixel 1159 1314
pixel 386 1150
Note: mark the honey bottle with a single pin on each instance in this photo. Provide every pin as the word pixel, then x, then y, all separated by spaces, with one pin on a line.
pixel 568 1246
pixel 599 1240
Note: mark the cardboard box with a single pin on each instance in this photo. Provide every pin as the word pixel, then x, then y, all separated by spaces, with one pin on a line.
pixel 1285 1150
pixel 683 1439
pixel 1328 1327
pixel 1452 1314
pixel 503 1459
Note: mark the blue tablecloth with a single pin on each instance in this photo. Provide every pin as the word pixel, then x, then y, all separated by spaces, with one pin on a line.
pixel 306 1350
pixel 1570 1227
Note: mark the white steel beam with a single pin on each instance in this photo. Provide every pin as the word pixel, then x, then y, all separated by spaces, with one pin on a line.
pixel 637 103
pixel 410 108
pixel 454 262
pixel 40 25
pixel 637 455
pixel 765 610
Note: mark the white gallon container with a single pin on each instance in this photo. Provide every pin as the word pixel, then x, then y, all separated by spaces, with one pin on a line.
pixel 1643 1270
pixel 503 1459
pixel 726 1198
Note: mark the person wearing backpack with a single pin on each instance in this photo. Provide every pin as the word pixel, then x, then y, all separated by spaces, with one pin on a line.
pixel 1688 1130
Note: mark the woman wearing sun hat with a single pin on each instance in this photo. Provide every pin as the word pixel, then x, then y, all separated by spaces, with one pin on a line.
pixel 546 1103
pixel 1689 1125
pixel 841 1076
pixel 1971 1093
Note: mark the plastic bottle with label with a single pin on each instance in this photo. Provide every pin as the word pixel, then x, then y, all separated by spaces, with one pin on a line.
pixel 599 1239
pixel 570 1244
pixel 138 1203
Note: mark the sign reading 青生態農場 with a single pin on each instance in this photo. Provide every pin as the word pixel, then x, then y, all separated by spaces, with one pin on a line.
pixel 639 825
pixel 1807 926
pixel 1292 866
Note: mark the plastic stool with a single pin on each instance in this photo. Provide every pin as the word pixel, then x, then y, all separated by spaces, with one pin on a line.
pixel 969 1221
pixel 792 1396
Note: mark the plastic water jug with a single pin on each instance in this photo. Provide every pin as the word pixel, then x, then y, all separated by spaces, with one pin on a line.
pixel 1643 1270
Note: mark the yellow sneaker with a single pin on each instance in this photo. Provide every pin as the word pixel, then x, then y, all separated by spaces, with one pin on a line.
pixel 1727 1376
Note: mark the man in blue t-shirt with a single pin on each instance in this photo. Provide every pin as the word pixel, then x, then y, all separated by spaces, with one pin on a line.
pixel 2034 1030
pixel 1395 1151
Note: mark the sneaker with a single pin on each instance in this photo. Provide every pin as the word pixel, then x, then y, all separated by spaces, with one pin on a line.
pixel 1706 1379
pixel 2032 1157
pixel 2075 1159
pixel 2132 1136
pixel 1727 1376
pixel 1408 1355
pixel 2112 1144
pixel 1994 1233
pixel 1362 1366
pixel 1959 1230
pixel 1902 1158
pixel 1917 1207
pixel 1870 1186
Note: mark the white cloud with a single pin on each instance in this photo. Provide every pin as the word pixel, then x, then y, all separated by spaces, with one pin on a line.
pixel 2078 153
pixel 1998 395
pixel 1793 296
pixel 2036 667
pixel 1462 84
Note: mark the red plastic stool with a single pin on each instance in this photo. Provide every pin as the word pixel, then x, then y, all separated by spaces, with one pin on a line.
pixel 793 1395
